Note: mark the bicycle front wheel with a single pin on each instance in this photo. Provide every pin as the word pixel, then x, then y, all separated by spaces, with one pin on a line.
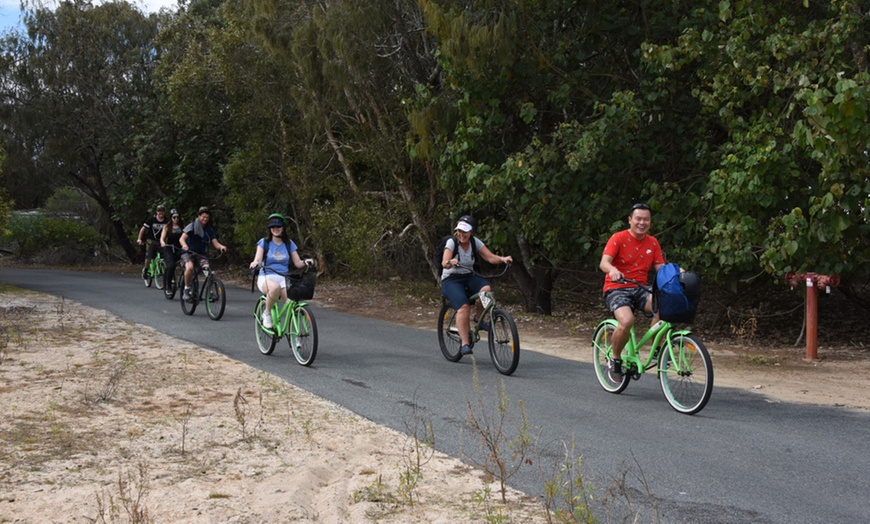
pixel 189 306
pixel 602 349
pixel 448 334
pixel 504 342
pixel 686 374
pixel 160 278
pixel 146 276
pixel 303 336
pixel 215 297
pixel 265 339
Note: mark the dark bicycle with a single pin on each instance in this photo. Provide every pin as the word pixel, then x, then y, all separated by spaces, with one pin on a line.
pixel 503 337
pixel 170 285
pixel 205 286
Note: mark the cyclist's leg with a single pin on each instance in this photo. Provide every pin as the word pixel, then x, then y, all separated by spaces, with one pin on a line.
pixel 463 323
pixel 453 289
pixel 622 303
pixel 151 253
pixel 171 259
pixel 478 284
pixel 624 315
pixel 201 261
pixel 271 286
pixel 188 259
pixel 649 311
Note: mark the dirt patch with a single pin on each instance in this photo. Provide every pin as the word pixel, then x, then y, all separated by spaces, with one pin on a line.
pixel 99 427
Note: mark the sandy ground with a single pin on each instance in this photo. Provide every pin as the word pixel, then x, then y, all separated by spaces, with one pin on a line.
pixel 99 426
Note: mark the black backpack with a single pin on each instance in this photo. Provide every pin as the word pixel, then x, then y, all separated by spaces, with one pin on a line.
pixel 442 245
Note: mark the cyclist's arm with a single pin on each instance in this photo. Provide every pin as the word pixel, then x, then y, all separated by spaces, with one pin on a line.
pixel 183 241
pixel 492 258
pixel 258 257
pixel 298 262
pixel 163 236
pixel 217 245
pixel 607 266
pixel 447 258
pixel 141 233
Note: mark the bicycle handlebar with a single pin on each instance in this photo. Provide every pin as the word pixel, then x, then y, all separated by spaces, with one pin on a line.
pixel 262 267
pixel 623 280
pixel 507 265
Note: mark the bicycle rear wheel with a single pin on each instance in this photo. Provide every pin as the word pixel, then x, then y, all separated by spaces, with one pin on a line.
pixel 189 306
pixel 448 334
pixel 504 342
pixel 160 277
pixel 303 336
pixel 215 297
pixel 265 340
pixel 602 349
pixel 686 374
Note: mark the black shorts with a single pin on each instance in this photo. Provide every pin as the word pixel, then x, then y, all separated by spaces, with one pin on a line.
pixel 152 248
pixel 634 297
pixel 196 258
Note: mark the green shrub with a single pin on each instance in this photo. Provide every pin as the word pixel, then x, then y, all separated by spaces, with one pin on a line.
pixel 50 240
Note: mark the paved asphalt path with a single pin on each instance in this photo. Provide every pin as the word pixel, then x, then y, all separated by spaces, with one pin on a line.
pixel 743 459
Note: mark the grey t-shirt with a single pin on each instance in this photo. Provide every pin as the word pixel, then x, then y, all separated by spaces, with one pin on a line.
pixel 466 261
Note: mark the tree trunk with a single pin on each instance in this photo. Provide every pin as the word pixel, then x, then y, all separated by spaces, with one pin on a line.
pixel 544 279
pixel 134 254
pixel 537 288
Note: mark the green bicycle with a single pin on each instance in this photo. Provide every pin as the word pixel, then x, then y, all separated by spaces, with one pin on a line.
pixel 680 360
pixel 503 337
pixel 294 319
pixel 155 272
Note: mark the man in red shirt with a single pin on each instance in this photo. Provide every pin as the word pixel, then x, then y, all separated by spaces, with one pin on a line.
pixel 630 253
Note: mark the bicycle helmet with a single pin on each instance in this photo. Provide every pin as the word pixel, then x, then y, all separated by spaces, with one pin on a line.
pixel 691 284
pixel 466 223
pixel 276 220
pixel 161 207
pixel 203 209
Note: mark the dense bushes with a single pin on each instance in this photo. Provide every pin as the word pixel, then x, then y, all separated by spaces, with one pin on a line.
pixel 50 240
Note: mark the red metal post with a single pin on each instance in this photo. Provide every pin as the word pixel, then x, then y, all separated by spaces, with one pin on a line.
pixel 812 318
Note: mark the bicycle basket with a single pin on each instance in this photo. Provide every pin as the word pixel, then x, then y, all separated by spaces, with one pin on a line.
pixel 301 286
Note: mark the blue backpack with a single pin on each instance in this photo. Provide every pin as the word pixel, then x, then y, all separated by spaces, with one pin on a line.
pixel 676 295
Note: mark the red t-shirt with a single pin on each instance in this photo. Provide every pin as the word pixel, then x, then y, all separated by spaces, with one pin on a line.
pixel 633 257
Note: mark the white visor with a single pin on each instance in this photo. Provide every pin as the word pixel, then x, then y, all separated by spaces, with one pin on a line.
pixel 463 226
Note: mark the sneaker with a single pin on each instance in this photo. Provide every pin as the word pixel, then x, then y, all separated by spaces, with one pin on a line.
pixel 615 368
pixel 144 273
pixel 267 320
pixel 186 294
pixel 465 349
pixel 484 325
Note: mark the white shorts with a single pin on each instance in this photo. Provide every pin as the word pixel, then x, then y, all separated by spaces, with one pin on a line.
pixel 278 279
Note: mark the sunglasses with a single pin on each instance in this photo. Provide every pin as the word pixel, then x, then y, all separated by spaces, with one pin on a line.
pixel 640 205
pixel 174 217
